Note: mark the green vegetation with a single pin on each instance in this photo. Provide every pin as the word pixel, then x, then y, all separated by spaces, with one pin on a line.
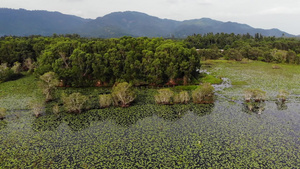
pixel 211 79
pixel 55 109
pixel 2 113
pixel 123 94
pixel 282 95
pixel 182 97
pixel 49 82
pixel 203 94
pixel 230 133
pixel 37 107
pixel 164 96
pixel 105 100
pixel 254 95
pixel 74 103
pixel 5 72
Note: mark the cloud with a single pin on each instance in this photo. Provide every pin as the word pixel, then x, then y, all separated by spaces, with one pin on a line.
pixel 279 10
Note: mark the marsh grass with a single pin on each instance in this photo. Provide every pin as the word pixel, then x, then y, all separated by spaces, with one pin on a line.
pixel 17 94
pixel 105 100
pixel 210 79
pixel 75 102
pixel 257 75
pixel 164 96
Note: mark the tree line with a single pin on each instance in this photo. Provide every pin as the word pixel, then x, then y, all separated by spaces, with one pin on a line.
pixel 88 62
pixel 82 61
pixel 238 47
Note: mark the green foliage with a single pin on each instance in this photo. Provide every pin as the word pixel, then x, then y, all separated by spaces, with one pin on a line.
pixel 282 95
pixel 135 60
pixel 233 54
pixel 49 82
pixel 74 103
pixel 55 109
pixel 211 79
pixel 37 107
pixel 189 87
pixel 2 113
pixel 254 95
pixel 17 68
pixel 182 97
pixel 29 64
pixel 123 94
pixel 164 96
pixel 5 72
pixel 105 100
pixel 203 94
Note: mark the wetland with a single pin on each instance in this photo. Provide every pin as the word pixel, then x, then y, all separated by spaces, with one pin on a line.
pixel 225 134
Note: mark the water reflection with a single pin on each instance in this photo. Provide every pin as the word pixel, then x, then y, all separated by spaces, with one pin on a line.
pixel 254 107
pixel 281 105
pixel 122 116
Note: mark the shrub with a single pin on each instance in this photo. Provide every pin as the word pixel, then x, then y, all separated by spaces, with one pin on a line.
pixel 203 94
pixel 123 94
pixel 55 109
pixel 105 100
pixel 48 84
pixel 256 107
pixel 182 97
pixel 37 108
pixel 5 72
pixel 2 113
pixel 164 96
pixel 74 103
pixel 254 95
pixel 276 67
pixel 16 68
pixel 245 61
pixel 29 64
pixel 282 95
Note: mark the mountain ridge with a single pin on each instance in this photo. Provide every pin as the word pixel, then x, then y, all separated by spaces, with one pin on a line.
pixel 23 22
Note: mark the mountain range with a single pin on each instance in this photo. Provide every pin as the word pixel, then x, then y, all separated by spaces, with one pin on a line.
pixel 21 22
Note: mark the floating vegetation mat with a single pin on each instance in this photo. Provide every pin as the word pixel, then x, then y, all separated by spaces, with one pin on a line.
pixel 155 136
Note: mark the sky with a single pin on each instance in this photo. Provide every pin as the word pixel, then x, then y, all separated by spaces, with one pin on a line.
pixel 266 14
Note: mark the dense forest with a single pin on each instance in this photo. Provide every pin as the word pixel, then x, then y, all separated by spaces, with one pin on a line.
pixel 142 61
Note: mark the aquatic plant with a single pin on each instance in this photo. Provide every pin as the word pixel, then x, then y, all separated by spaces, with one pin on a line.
pixel 105 100
pixel 74 103
pixel 182 97
pixel 2 113
pixel 254 95
pixel 37 107
pixel 164 96
pixel 203 94
pixel 123 94
pixel 282 95
pixel 48 84
pixel 255 107
pixel 55 109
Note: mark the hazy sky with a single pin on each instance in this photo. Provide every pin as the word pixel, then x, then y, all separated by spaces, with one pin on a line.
pixel 281 14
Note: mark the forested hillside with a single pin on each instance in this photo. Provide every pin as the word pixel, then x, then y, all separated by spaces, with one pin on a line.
pixel 117 24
